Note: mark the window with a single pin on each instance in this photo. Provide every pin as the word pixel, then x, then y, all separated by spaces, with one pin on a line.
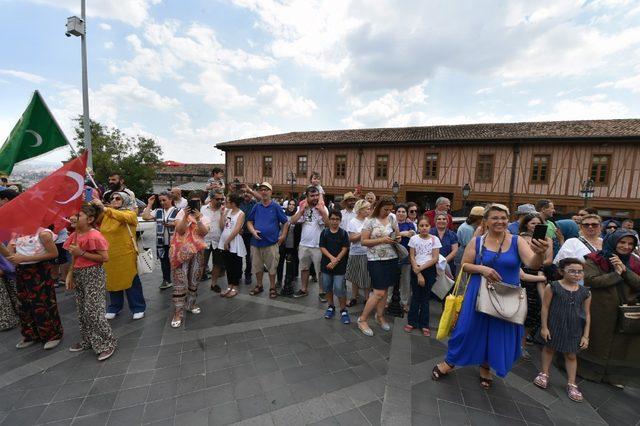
pixel 484 170
pixel 341 166
pixel 267 166
pixel 238 169
pixel 600 169
pixel 302 166
pixel 540 168
pixel 382 165
pixel 431 165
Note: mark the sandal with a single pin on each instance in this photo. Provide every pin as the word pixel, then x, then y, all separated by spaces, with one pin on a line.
pixel 382 323
pixel 224 293
pixel 574 393
pixel 256 290
pixel 437 374
pixel 541 380
pixel 365 330
pixel 408 328
pixel 426 332
pixel 175 323
pixel 486 382
pixel 351 303
pixel 231 293
pixel 273 293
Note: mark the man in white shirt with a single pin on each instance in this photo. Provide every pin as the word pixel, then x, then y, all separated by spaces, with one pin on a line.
pixel 178 200
pixel 212 212
pixel 312 215
pixel 348 201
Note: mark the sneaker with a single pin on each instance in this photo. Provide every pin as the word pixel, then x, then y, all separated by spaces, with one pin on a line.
pixel 110 315
pixel 165 285
pixel 77 347
pixel 136 316
pixel 322 297
pixel 300 293
pixel 51 344
pixel 344 317
pixel 24 343
pixel 331 310
pixel 106 354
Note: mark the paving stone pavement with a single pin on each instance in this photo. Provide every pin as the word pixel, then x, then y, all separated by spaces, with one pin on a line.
pixel 257 361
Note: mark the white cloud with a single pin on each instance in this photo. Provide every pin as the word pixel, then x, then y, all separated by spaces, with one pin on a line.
pixel 27 76
pixel 392 109
pixel 133 12
pixel 282 101
pixel 217 92
pixel 585 108
pixel 108 44
pixel 630 83
pixel 484 91
pixel 534 102
pixel 104 26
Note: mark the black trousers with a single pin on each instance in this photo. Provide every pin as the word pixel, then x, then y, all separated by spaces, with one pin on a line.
pixel 246 237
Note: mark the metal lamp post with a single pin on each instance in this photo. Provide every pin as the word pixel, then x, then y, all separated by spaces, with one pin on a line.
pixel 466 190
pixel 77 27
pixel 395 308
pixel 395 188
pixel 291 180
pixel 587 190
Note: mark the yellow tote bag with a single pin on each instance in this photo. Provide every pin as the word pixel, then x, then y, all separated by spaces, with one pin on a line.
pixel 452 306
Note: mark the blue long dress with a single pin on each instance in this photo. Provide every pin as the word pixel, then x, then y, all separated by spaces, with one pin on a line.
pixel 479 338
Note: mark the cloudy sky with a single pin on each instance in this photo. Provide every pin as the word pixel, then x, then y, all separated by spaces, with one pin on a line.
pixel 192 73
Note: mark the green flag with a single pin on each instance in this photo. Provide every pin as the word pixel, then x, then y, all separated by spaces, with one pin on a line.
pixel 36 133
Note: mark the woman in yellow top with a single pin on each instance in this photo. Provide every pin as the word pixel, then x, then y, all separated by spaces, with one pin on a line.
pixel 118 224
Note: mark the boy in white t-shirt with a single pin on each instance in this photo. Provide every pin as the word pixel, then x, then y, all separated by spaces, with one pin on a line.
pixel 424 251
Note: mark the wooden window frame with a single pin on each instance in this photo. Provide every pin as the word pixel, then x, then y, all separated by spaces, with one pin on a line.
pixel 427 162
pixel 533 167
pixel 264 166
pixel 299 171
pixel 479 178
pixel 342 175
pixel 386 168
pixel 608 175
pixel 235 165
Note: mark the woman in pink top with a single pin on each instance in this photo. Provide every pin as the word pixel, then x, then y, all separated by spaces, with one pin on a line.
pixel 89 250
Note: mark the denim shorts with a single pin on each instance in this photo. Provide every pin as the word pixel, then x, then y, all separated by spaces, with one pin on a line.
pixel 335 284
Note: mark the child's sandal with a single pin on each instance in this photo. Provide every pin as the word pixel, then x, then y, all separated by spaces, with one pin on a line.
pixel 541 380
pixel 408 328
pixel 574 393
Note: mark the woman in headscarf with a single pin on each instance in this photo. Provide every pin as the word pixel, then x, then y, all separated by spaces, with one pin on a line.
pixel 613 276
pixel 118 226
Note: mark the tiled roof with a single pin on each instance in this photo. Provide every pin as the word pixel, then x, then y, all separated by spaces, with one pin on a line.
pixel 459 133
pixel 190 168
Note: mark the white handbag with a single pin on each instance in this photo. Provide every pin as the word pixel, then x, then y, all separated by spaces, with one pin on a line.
pixel 145 261
pixel 442 285
pixel 503 301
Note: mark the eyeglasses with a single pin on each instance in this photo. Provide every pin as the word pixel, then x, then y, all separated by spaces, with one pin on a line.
pixel 590 225
pixel 413 211
pixel 574 271
pixel 219 199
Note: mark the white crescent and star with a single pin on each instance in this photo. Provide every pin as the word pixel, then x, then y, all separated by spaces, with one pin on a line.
pixel 37 136
pixel 79 180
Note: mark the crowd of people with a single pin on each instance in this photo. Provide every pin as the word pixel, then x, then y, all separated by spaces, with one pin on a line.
pixel 576 273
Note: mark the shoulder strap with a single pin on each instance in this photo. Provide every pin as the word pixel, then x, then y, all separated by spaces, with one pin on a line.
pixel 479 247
pixel 133 240
pixel 587 244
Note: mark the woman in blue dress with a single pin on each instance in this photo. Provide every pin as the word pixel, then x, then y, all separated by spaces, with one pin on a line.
pixel 480 339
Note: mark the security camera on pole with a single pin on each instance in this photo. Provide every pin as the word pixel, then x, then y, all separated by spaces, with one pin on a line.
pixel 77 27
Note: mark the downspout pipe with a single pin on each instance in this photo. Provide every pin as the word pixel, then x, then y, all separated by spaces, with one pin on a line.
pixel 512 183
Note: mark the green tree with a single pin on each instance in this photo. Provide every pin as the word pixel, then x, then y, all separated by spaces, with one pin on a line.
pixel 136 158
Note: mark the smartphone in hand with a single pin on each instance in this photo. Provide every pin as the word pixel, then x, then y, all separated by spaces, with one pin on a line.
pixel 540 232
pixel 193 205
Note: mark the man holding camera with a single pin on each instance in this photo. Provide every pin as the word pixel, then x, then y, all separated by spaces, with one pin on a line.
pixel 212 212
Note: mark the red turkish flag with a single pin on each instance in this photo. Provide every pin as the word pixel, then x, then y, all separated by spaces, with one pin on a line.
pixel 46 203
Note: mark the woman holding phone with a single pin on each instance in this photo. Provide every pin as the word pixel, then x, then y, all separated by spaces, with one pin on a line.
pixel 185 258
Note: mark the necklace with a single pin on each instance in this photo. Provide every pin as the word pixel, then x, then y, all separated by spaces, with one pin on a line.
pixel 498 253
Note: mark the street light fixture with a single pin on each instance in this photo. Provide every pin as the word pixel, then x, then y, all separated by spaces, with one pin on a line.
pixel 587 190
pixel 466 190
pixel 291 180
pixel 395 188
pixel 77 27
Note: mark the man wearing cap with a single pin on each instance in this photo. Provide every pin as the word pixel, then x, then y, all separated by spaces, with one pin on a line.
pixel 263 223
pixel 443 205
pixel 313 216
pixel 348 201
pixel 523 209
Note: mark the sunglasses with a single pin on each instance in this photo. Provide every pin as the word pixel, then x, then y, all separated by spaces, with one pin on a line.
pixel 590 225
pixel 116 199
pixel 413 211
pixel 219 199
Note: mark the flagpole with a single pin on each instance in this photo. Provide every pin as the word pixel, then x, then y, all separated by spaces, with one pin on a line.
pixel 85 89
